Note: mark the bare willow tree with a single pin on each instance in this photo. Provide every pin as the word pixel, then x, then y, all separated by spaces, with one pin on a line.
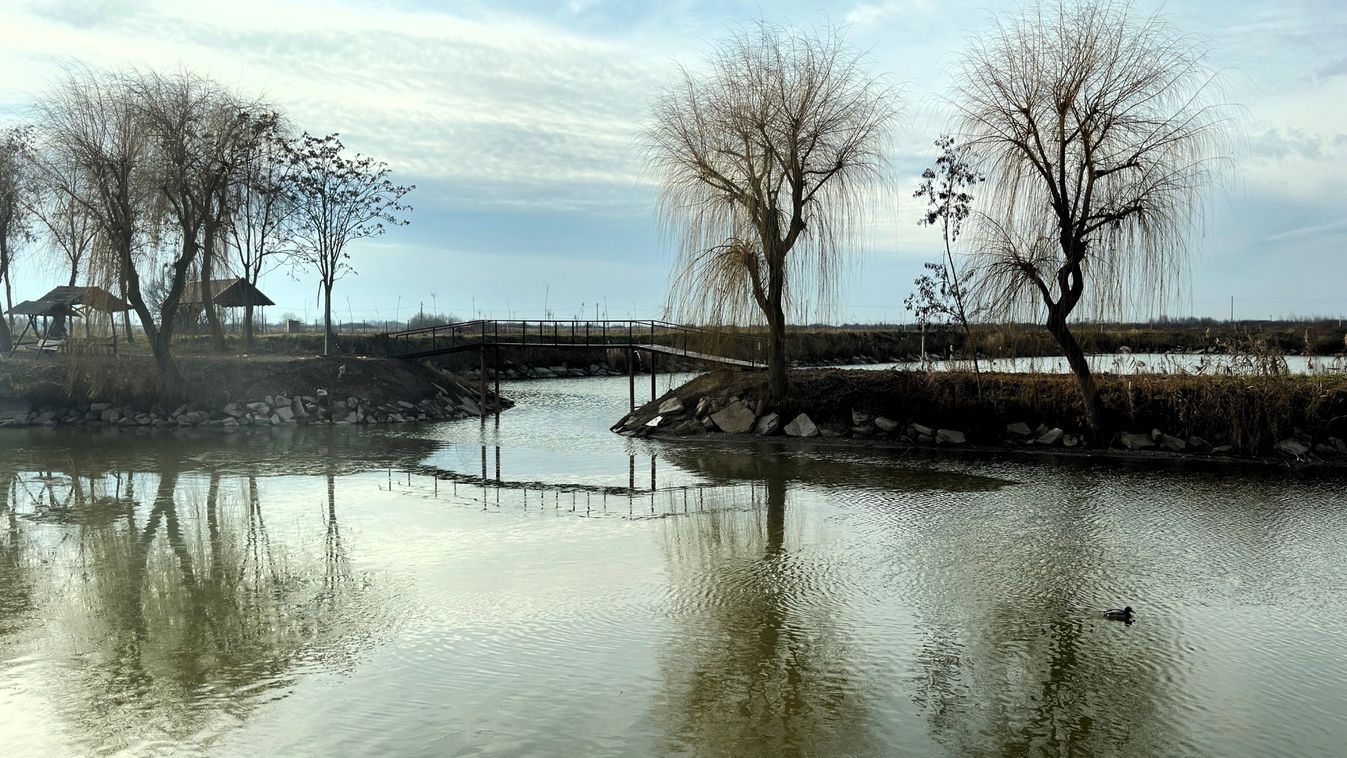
pixel 93 152
pixel 1099 131
pixel 766 161
pixel 261 208
pixel 201 133
pixel 17 194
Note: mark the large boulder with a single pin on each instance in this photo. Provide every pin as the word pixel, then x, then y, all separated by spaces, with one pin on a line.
pixel 1133 441
pixel 801 426
pixel 1018 429
pixel 671 406
pixel 735 418
pixel 1050 437
pixel 885 425
pixel 1293 448
pixel 949 437
pixel 768 424
pixel 1172 443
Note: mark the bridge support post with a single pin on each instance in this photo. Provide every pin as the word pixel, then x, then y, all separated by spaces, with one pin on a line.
pixel 481 390
pixel 652 375
pixel 631 379
pixel 495 370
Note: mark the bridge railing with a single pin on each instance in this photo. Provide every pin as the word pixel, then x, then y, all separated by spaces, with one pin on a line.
pixel 724 342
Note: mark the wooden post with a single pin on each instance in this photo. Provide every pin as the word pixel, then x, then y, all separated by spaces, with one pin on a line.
pixel 495 368
pixel 481 388
pixel 631 377
pixel 652 374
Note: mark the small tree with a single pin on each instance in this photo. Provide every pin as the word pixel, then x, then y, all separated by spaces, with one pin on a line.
pixel 933 300
pixel 770 152
pixel 338 199
pixel 945 187
pixel 1098 132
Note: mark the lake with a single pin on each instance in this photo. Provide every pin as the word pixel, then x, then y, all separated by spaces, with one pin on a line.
pixel 544 587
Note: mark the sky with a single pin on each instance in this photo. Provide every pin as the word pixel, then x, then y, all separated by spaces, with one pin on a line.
pixel 519 123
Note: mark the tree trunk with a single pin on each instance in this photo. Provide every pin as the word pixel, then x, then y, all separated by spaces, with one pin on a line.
pixel 6 338
pixel 170 379
pixel 126 315
pixel 1075 357
pixel 327 319
pixel 776 333
pixel 217 338
pixel 248 325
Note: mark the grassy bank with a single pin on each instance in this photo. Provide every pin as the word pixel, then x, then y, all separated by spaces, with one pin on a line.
pixel 207 380
pixel 1248 416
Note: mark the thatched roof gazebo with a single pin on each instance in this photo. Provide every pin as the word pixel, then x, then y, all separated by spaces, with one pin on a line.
pixel 226 293
pixel 63 303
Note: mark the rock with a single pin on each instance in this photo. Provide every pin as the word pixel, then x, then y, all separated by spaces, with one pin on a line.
pixel 1156 434
pixel 1070 440
pixel 286 413
pixel 801 426
pixel 1325 450
pixel 734 419
pixel 234 410
pixel 768 424
pixel 859 418
pixel 917 430
pixel 1050 437
pixel 654 422
pixel 885 425
pixel 99 407
pixel 111 415
pixel 671 406
pixel 469 407
pixel 1293 448
pixel 864 431
pixel 405 404
pixel 703 407
pixel 708 424
pixel 1222 450
pixel 1133 441
pixel 353 417
pixel 276 419
pixel 321 393
pixel 1197 444
pixel 1018 429
pixel 1172 443
pixel 949 437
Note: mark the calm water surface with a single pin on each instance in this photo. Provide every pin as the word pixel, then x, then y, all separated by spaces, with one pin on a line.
pixel 522 590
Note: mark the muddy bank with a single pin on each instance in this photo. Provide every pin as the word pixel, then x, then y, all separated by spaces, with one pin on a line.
pixel 1284 418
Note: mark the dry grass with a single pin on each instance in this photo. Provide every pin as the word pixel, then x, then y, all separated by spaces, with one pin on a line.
pixel 1249 413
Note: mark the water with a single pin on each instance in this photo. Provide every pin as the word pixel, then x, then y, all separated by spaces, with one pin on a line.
pixel 1143 363
pixel 318 592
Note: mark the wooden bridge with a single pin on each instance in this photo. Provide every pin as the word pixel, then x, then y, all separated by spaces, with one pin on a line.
pixel 724 346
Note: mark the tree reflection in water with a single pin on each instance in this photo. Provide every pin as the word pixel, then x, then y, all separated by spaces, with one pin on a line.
pixel 758 669
pixel 175 620
pixel 1015 659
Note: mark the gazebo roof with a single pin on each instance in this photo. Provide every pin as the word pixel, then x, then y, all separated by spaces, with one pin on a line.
pixel 226 293
pixel 92 297
pixel 43 307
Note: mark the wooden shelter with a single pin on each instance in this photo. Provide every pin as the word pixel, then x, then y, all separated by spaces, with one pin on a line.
pixel 63 304
pixel 226 293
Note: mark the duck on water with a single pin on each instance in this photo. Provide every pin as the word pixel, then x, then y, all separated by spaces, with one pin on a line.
pixel 1119 614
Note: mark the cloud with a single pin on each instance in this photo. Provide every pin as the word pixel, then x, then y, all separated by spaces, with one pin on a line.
pixel 1315 231
pixel 868 13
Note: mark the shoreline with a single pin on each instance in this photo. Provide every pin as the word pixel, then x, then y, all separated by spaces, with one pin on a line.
pixel 1258 420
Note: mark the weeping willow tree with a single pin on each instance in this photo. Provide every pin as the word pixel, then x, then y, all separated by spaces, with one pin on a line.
pixel 1100 132
pixel 765 162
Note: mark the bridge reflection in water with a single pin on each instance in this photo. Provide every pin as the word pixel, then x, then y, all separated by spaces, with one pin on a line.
pixel 639 498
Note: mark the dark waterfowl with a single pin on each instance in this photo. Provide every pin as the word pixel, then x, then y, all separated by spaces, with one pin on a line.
pixel 1119 614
